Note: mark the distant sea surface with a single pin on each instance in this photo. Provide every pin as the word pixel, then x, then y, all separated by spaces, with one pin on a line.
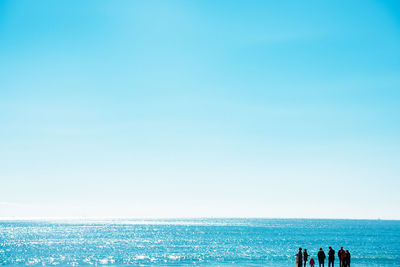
pixel 204 242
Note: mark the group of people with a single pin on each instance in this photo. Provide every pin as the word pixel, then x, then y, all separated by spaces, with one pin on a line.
pixel 343 255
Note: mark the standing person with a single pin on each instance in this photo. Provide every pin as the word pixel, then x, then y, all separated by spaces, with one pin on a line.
pixel 347 258
pixel 300 258
pixel 321 258
pixel 342 257
pixel 312 262
pixel 305 257
pixel 331 257
pixel 340 253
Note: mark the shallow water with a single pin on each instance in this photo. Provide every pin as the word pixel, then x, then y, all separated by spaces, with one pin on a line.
pixel 213 242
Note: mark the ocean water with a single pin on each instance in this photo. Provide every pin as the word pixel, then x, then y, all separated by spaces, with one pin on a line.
pixel 204 242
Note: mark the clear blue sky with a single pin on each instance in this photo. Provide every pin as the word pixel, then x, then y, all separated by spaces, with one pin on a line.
pixel 200 108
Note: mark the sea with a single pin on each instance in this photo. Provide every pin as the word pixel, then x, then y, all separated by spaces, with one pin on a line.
pixel 202 242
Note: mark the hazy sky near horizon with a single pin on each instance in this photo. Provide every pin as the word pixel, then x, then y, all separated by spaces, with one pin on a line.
pixel 200 109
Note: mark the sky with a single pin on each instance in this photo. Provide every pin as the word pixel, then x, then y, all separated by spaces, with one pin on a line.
pixel 140 109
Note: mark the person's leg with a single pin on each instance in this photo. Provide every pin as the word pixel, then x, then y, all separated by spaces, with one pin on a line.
pixel 305 263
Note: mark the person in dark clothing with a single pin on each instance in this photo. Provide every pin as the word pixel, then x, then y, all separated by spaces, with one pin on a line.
pixel 321 258
pixel 342 257
pixel 312 262
pixel 331 257
pixel 300 258
pixel 305 257
pixel 341 254
pixel 347 259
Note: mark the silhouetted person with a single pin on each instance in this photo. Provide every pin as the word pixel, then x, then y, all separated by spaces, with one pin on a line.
pixel 312 262
pixel 342 257
pixel 341 254
pixel 331 257
pixel 321 258
pixel 305 257
pixel 347 259
pixel 300 258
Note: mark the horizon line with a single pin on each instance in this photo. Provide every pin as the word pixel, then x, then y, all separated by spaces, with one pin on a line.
pixel 77 218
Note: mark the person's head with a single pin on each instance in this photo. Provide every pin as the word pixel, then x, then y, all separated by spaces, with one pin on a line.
pixel 347 251
pixel 305 250
pixel 330 247
pixel 299 249
pixel 341 248
pixel 320 249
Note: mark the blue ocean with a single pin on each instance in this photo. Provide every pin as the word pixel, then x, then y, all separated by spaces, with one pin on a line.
pixel 203 242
